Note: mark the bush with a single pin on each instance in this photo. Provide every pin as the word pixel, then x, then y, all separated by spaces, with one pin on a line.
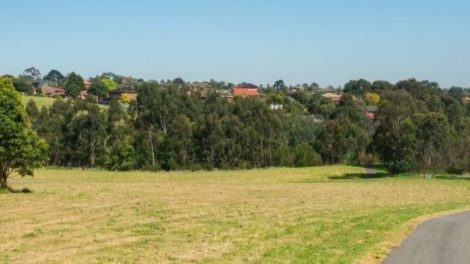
pixel 195 167
pixel 121 157
pixel 152 168
pixel 367 160
pixel 400 166
pixel 457 166
pixel 455 170
pixel 306 156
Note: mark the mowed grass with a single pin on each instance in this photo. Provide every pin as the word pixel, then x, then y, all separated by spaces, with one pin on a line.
pixel 308 215
pixel 45 101
pixel 40 101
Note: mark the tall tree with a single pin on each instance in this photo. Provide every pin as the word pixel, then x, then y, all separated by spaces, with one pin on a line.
pixel 395 137
pixel 347 109
pixel 23 85
pixel 357 87
pixel 54 76
pixel 32 73
pixel 32 111
pixel 86 132
pixel 342 141
pixel 108 83
pixel 73 84
pixel 279 85
pixel 20 148
pixel 433 134
pixel 146 121
pixel 382 86
pixel 98 88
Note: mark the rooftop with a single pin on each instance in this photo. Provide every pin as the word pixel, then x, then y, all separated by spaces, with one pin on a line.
pixel 246 86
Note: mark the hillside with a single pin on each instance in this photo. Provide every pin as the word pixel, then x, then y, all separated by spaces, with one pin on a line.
pixel 40 101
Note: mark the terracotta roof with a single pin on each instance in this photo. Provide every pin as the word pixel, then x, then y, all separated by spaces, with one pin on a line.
pixel 333 97
pixel 83 94
pixel 52 91
pixel 245 91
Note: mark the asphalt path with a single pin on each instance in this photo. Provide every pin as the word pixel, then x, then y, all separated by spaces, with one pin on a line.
pixel 444 240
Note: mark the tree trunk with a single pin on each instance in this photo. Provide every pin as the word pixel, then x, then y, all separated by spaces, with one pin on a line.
pixel 3 180
pixel 92 145
pixel 151 147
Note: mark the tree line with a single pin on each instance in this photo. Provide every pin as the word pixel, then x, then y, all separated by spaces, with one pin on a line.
pixel 167 128
pixel 418 126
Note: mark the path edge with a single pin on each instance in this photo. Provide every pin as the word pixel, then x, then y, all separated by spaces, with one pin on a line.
pixel 381 251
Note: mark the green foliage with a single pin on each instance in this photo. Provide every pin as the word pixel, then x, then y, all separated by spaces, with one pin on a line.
pixel 433 133
pixel 98 88
pixel 381 86
pixel 54 76
pixel 73 84
pixel 32 73
pixel 23 85
pixel 342 141
pixel 109 84
pixel 305 156
pixel 20 148
pixel 348 109
pixel 418 126
pixel 373 99
pixel 359 87
pixel 120 157
pixel 279 85
pixel 457 155
pixel 395 138
pixel 72 90
pixel 32 110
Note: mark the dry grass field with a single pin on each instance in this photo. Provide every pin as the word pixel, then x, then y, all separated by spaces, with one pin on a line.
pixel 308 215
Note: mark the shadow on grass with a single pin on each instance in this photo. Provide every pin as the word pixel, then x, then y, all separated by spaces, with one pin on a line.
pixel 453 177
pixel 351 176
pixel 11 190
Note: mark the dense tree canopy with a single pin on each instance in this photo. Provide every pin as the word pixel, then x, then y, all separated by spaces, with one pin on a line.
pixel 54 76
pixel 73 84
pixel 23 85
pixel 409 126
pixel 32 73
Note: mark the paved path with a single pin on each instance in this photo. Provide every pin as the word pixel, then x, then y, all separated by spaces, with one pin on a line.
pixel 441 241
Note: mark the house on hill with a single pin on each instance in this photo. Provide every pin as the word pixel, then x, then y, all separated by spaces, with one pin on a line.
pixel 52 91
pixel 87 83
pixel 226 94
pixel 371 112
pixel 124 94
pixel 83 94
pixel 246 89
pixel 334 97
pixel 39 84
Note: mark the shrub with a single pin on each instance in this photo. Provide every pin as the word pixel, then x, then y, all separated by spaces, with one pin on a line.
pixel 306 156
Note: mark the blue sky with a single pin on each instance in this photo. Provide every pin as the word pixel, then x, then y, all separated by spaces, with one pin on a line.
pixel 330 41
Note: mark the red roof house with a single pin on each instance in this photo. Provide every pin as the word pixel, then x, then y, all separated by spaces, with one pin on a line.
pixel 245 89
pixel 52 91
pixel 335 98
pixel 83 94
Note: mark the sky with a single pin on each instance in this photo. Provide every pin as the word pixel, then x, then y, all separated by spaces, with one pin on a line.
pixel 327 41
